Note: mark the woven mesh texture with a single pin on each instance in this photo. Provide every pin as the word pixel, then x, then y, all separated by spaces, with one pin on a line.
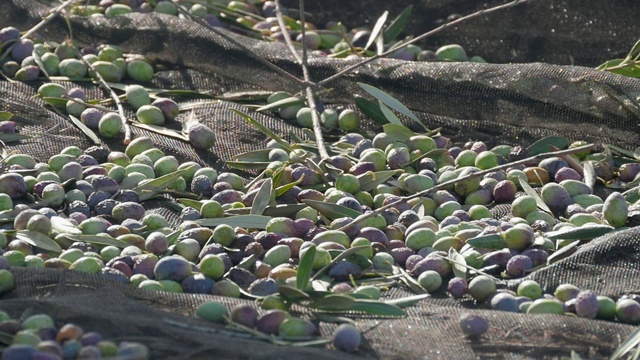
pixel 495 103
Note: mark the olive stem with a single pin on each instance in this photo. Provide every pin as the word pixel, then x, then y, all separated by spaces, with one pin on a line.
pixel 421 37
pixel 309 92
pixel 114 96
pixel 469 176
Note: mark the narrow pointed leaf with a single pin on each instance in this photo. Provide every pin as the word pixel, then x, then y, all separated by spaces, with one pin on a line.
pixel 292 294
pixel 290 101
pixel 9 138
pixel 628 345
pixel 389 101
pixel 458 264
pixel 407 301
pixel 589 174
pixel 38 240
pixel 161 130
pixel 196 204
pixel 244 165
pixel 97 239
pixel 64 226
pixel 264 130
pixel 261 201
pixel 253 156
pixel 529 190
pixel 305 268
pixel 374 307
pixel 333 318
pixel 345 254
pixel 542 145
pixel 563 252
pixel 377 28
pixel 388 114
pixel 632 154
pixel 492 241
pixel 332 211
pixel 54 101
pixel 86 130
pixel 370 180
pixel 398 132
pixel 152 188
pixel 333 302
pixel 397 25
pixel 247 262
pixel 586 232
pixel 5 115
pixel 244 221
pixel 371 110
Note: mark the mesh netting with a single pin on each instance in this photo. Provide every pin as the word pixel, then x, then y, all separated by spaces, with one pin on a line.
pixel 496 103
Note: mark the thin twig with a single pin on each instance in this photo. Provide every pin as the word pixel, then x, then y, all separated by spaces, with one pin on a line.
pixel 421 37
pixel 309 92
pixel 52 14
pixel 114 96
pixel 472 175
pixel 86 104
pixel 201 22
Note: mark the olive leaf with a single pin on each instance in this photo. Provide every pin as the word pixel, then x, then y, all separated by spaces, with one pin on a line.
pixel 196 204
pixel 244 221
pixel 9 138
pixel 397 25
pixel 635 154
pixel 375 307
pixel 86 130
pixel 287 102
pixel 345 254
pixel 264 130
pixel 293 294
pixel 563 252
pixel 64 226
pixel 38 240
pixel 331 211
pixel 377 28
pixel 388 114
pixel 244 165
pixel 262 199
pixel 627 346
pixel 333 302
pixel 529 190
pixel 389 101
pixel 458 264
pixel 161 130
pixel 305 268
pixel 96 239
pixel 491 241
pixel 398 132
pixel 324 317
pixel 542 145
pixel 254 156
pixel 152 188
pixel 412 283
pixel 586 232
pixel 5 115
pixel 589 174
pixel 407 301
pixel 247 262
pixel 370 180
pixel 371 110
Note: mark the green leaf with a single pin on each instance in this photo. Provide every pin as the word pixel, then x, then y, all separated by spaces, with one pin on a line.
pixel 86 130
pixel 491 241
pixel 38 240
pixel 590 175
pixel 244 165
pixel 293 294
pixel 389 114
pixel 96 239
pixel 398 132
pixel 333 302
pixel 585 232
pixel 627 346
pixel 262 199
pixel 333 318
pixel 635 51
pixel 624 67
pixel 161 130
pixel 9 138
pixel 371 110
pixel 305 268
pixel 332 211
pixel 5 115
pixel 264 130
pixel 247 262
pixel 635 154
pixel 290 101
pixel 54 101
pixel 377 28
pixel 284 188
pixel 529 190
pixel 196 204
pixel 397 25
pixel 374 307
pixel 389 101
pixel 458 264
pixel 408 280
pixel 370 180
pixel 407 301
pixel 183 93
pixel 254 156
pixel 542 145
pixel 345 254
pixel 64 226
pixel 563 252
pixel 244 221
pixel 152 188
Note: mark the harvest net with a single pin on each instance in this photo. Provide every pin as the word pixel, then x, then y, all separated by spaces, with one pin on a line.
pixel 538 94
